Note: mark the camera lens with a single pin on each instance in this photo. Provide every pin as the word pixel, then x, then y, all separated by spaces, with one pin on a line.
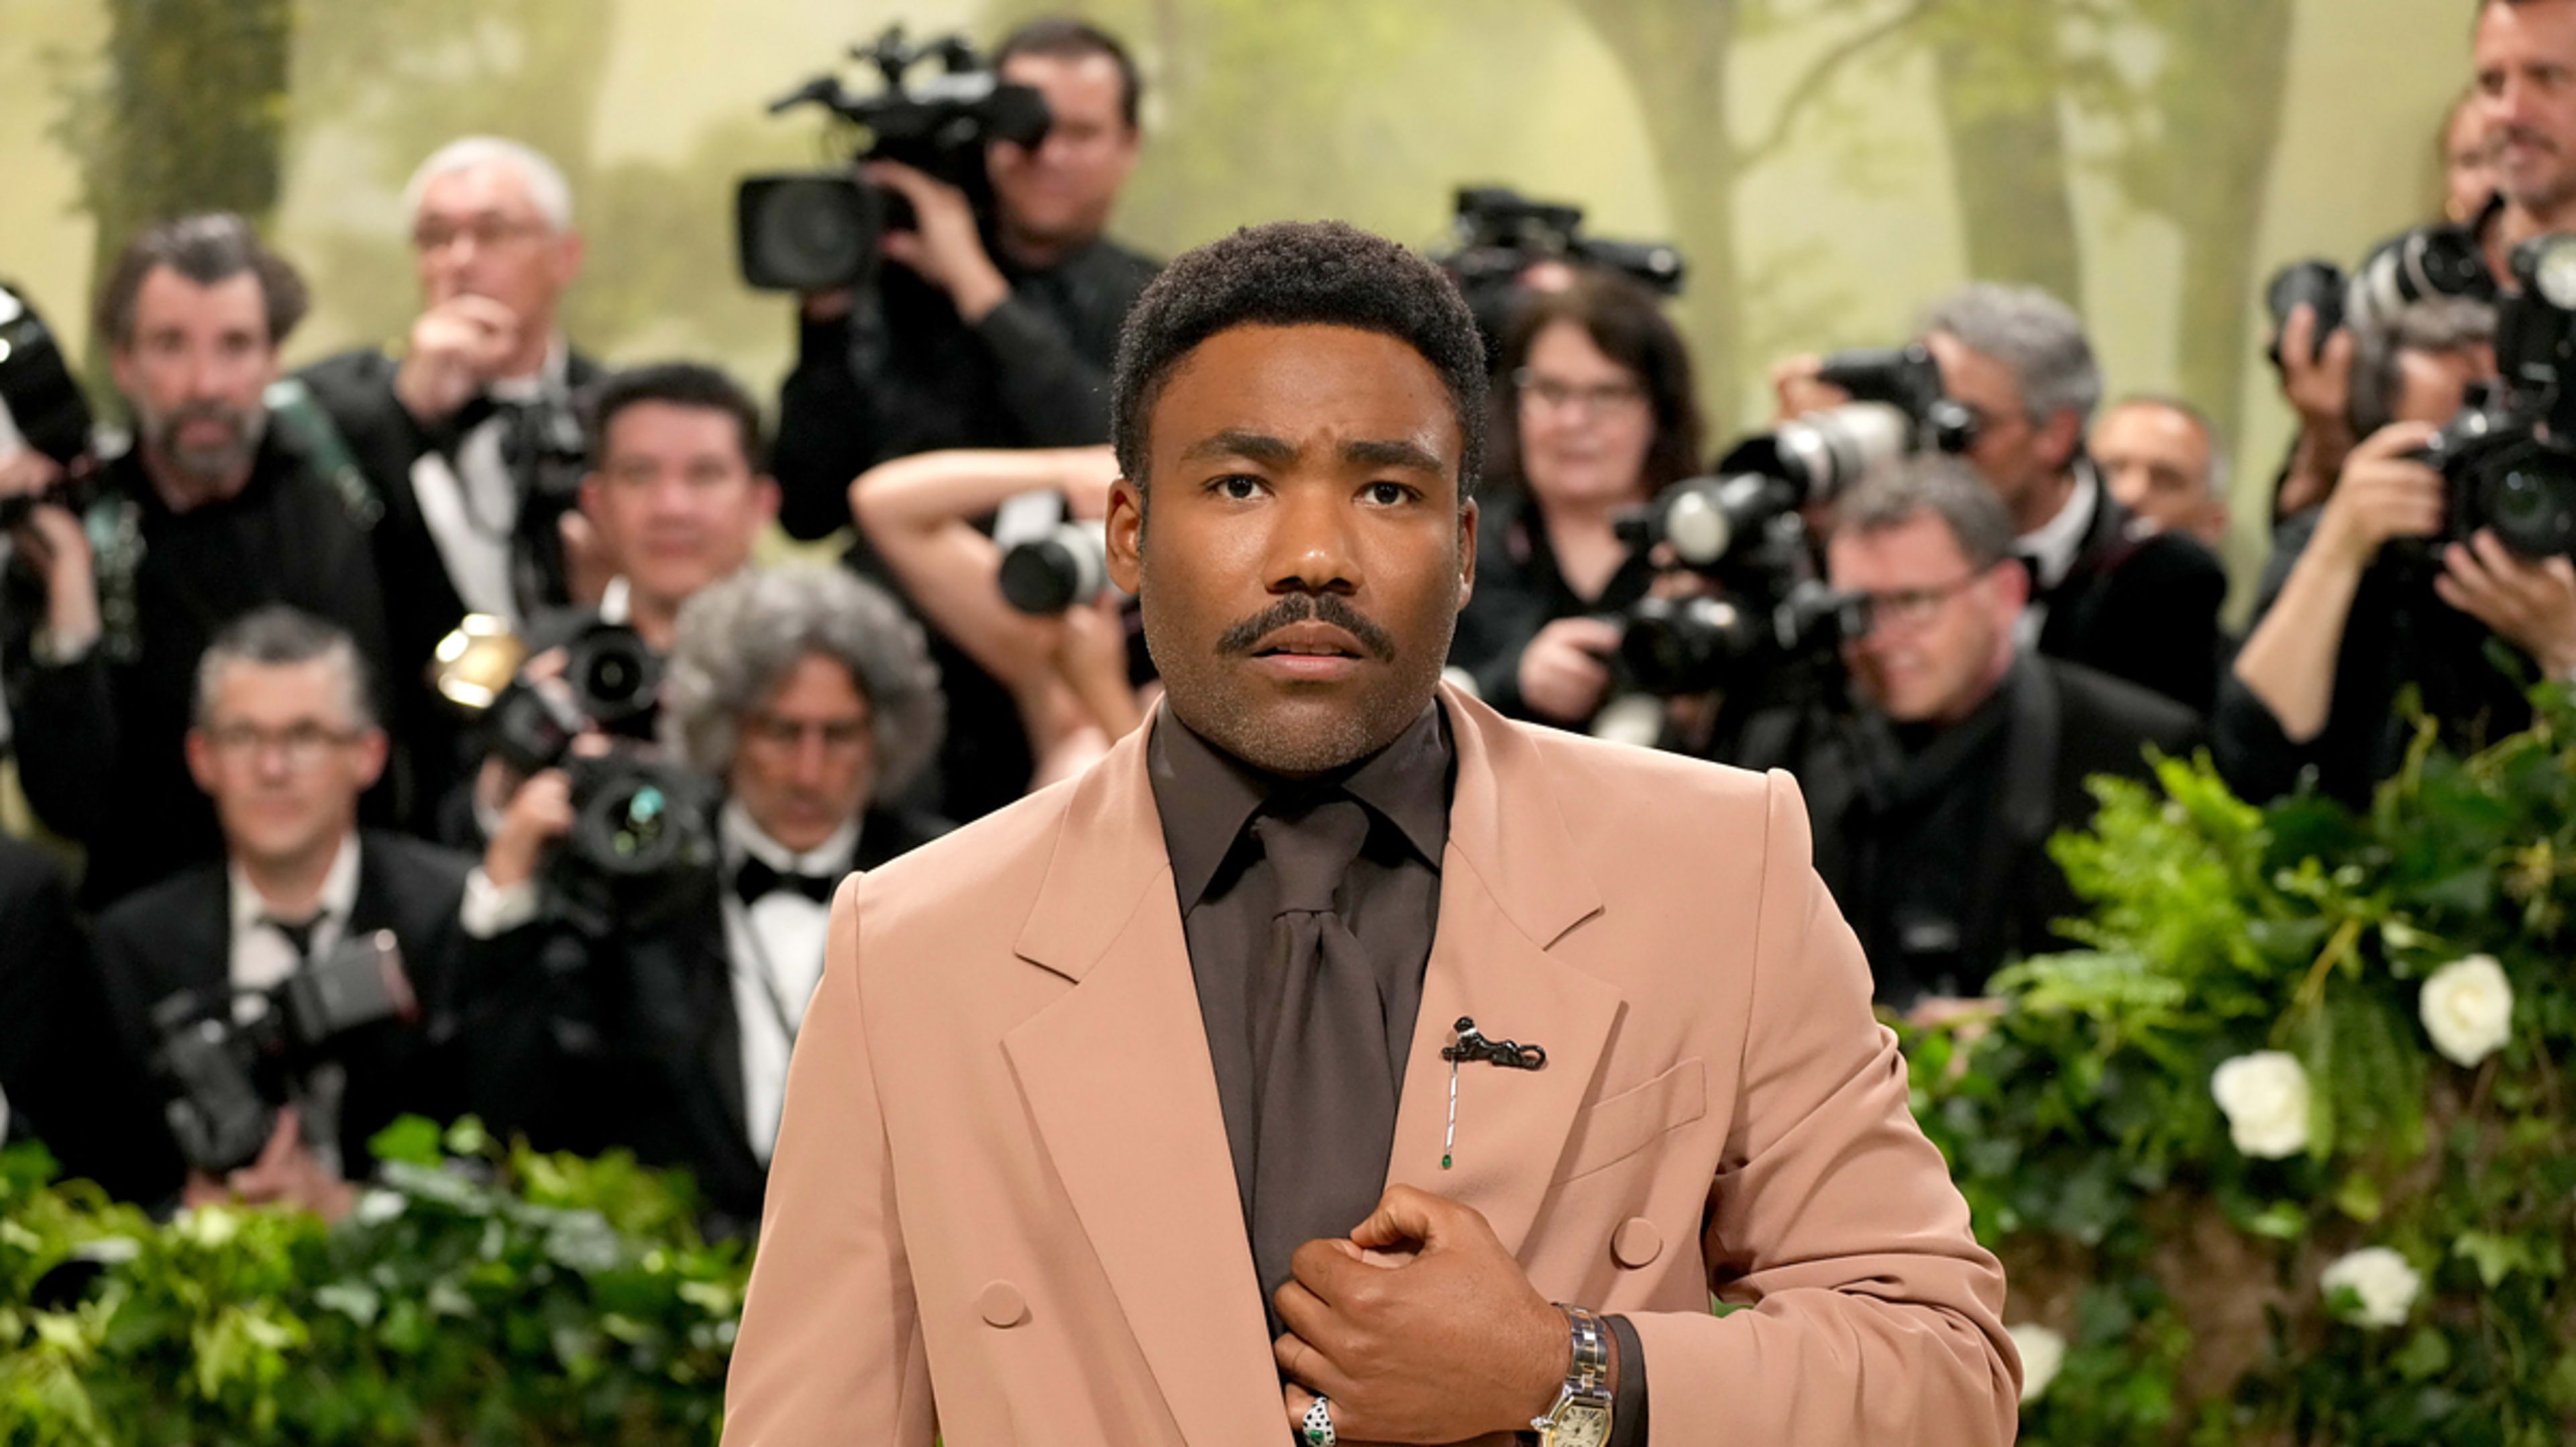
pixel 808 233
pixel 2531 503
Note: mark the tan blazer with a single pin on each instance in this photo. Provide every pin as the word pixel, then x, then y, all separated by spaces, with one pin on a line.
pixel 1002 1207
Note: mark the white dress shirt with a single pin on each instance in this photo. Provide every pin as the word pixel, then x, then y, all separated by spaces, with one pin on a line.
pixel 775 946
pixel 2052 547
pixel 261 954
pixel 471 506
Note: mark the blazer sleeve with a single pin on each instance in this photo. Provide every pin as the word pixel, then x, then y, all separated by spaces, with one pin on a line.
pixel 831 1347
pixel 1875 1318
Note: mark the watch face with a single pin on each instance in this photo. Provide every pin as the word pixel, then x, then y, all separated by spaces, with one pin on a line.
pixel 1580 1426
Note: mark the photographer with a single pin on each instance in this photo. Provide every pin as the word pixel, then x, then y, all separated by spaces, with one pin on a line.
pixel 2523 51
pixel 2134 603
pixel 469 438
pixel 55 1032
pixel 286 739
pixel 2346 622
pixel 211 514
pixel 988 330
pixel 2162 460
pixel 676 497
pixel 1596 416
pixel 807 692
pixel 1055 690
pixel 1933 798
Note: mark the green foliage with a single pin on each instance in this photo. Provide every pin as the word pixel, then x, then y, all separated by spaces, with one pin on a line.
pixel 505 1297
pixel 2184 1274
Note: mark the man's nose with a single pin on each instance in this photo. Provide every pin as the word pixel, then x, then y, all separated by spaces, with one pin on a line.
pixel 1310 550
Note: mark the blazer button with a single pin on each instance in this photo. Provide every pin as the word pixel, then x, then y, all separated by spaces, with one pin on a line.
pixel 1636 1243
pixel 1002 1305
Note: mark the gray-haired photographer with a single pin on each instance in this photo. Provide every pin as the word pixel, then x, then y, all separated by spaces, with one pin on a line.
pixel 795 702
pixel 221 505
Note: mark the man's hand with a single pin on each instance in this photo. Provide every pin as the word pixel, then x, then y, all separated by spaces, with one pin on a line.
pixel 57 547
pixel 457 346
pixel 2319 388
pixel 538 814
pixel 287 1173
pixel 943 246
pixel 2530 603
pixel 1420 1328
pixel 1564 671
pixel 1798 388
pixel 2384 493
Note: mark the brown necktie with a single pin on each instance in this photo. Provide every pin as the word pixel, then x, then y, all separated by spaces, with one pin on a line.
pixel 1323 1088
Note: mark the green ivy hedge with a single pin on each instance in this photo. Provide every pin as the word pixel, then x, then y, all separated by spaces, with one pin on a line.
pixel 503 1297
pixel 2366 1243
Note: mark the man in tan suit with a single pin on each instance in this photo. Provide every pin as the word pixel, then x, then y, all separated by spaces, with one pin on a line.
pixel 1269 1082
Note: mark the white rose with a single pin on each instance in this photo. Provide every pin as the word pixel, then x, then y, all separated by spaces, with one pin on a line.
pixel 2265 1098
pixel 2468 1009
pixel 2381 1278
pixel 2041 1351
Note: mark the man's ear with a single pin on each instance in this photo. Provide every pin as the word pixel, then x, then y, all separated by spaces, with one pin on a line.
pixel 1466 551
pixel 372 749
pixel 2059 439
pixel 1124 529
pixel 201 761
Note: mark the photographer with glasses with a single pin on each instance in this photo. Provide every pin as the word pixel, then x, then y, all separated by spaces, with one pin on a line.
pixel 1596 417
pixel 809 695
pixel 1934 794
pixel 286 739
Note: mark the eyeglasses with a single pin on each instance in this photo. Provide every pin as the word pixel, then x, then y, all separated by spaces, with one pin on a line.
pixel 1598 400
pixel 486 232
pixel 1909 608
pixel 786 734
pixel 299 745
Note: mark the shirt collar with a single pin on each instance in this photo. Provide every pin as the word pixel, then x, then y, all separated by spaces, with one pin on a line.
pixel 339 889
pixel 1206 796
pixel 2053 544
pixel 743 838
pixel 550 379
pixel 616 601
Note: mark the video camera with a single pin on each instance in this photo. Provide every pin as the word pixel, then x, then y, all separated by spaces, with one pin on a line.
pixel 2439 260
pixel 818 231
pixel 41 403
pixel 2509 459
pixel 227 1069
pixel 1500 234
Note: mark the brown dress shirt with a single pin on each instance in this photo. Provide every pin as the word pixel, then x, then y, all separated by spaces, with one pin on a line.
pixel 1214 808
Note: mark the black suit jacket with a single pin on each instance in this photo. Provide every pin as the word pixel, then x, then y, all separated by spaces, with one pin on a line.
pixel 56 1041
pixel 421 603
pixel 2141 606
pixel 177 936
pixel 590 1044
pixel 2056 725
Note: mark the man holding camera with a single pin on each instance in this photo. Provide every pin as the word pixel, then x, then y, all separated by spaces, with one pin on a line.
pixel 286 739
pixel 469 436
pixel 808 693
pixel 2127 600
pixel 987 331
pixel 2356 607
pixel 211 514
pixel 1934 799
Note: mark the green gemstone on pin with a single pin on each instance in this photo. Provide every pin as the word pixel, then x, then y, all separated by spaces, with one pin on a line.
pixel 1444 1160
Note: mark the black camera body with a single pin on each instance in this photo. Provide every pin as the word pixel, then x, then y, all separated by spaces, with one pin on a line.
pixel 2508 460
pixel 1065 567
pixel 44 403
pixel 612 680
pixel 227 1070
pixel 818 231
pixel 2440 260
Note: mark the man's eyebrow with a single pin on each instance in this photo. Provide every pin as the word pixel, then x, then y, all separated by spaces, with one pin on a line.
pixel 1251 446
pixel 1408 455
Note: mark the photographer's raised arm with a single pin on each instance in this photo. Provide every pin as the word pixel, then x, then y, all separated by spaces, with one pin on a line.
pixel 918 512
pixel 2288 664
pixel 57 680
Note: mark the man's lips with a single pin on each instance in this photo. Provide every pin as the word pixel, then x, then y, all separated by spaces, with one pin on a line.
pixel 1308 640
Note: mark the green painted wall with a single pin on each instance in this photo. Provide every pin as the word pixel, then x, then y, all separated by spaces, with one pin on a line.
pixel 2161 156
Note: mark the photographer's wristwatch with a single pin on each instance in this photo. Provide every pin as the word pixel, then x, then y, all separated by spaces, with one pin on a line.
pixel 1581 1416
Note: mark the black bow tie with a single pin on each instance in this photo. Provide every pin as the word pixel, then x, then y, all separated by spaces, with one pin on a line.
pixel 756 879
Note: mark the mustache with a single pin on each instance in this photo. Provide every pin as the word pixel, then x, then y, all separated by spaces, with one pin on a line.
pixel 232 417
pixel 1331 608
pixel 2524 134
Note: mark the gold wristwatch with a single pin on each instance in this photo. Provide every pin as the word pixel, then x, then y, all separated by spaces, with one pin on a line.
pixel 1581 1416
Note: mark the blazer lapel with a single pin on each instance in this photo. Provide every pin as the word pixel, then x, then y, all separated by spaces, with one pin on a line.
pixel 1506 894
pixel 1117 1078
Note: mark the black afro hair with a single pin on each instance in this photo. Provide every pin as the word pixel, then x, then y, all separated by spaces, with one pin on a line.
pixel 1296 273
